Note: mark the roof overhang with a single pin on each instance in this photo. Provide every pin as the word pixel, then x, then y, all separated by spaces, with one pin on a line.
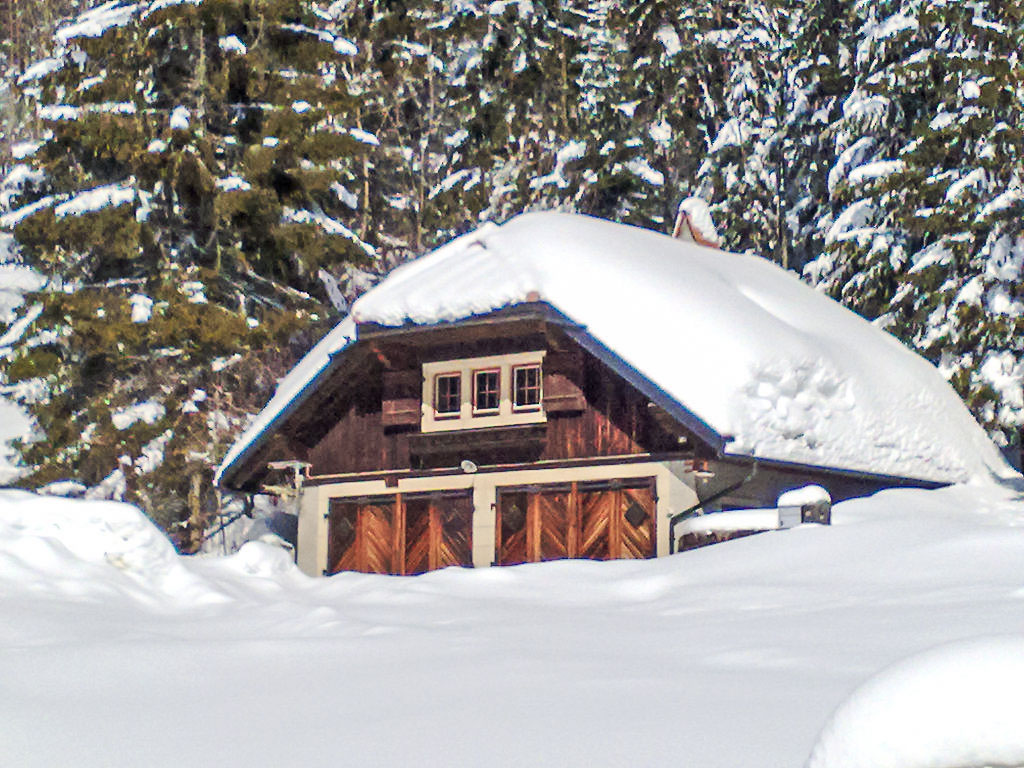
pixel 534 310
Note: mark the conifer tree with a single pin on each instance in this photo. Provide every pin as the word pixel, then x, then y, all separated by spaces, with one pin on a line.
pixel 191 189
pixel 927 193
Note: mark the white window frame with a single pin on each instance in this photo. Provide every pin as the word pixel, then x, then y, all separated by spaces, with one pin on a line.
pixel 506 415
pixel 540 387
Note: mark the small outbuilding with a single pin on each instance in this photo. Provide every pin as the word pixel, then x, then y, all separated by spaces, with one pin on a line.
pixel 562 386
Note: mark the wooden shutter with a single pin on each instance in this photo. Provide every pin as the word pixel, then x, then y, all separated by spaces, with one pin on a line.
pixel 402 391
pixel 563 382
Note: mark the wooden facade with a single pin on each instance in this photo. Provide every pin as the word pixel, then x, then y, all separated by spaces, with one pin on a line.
pixel 596 472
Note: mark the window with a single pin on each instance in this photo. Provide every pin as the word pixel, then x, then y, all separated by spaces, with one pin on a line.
pixel 526 387
pixel 483 392
pixel 486 390
pixel 448 394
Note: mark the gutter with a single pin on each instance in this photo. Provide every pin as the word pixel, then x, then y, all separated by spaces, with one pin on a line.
pixel 678 517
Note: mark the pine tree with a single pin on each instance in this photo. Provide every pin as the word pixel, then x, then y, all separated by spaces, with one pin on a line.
pixel 927 193
pixel 191 190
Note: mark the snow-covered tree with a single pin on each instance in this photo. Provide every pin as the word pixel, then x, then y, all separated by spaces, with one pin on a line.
pixel 926 189
pixel 191 199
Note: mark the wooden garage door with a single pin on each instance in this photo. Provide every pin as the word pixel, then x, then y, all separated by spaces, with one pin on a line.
pixel 399 534
pixel 605 520
pixel 361 535
pixel 438 531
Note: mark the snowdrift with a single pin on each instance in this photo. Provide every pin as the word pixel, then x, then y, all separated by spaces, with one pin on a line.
pixel 112 647
pixel 958 706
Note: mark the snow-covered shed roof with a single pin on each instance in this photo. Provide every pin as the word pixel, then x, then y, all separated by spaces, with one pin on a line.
pixel 775 368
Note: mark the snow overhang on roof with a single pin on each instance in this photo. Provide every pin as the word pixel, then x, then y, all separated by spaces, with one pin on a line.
pixel 745 346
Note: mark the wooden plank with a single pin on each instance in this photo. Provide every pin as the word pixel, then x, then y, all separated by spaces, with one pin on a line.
pixel 374 538
pixel 638 541
pixel 417 535
pixel 342 523
pixel 554 524
pixel 595 516
pixel 455 540
pixel 398 542
pixel 510 528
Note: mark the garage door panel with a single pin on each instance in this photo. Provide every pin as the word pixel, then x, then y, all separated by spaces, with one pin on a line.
pixel 637 525
pixel 375 555
pixel 554 525
pixel 417 536
pixel 455 521
pixel 594 520
pixel 510 528
pixel 596 508
pixel 400 536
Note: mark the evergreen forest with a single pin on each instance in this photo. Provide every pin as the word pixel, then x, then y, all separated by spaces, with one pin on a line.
pixel 193 191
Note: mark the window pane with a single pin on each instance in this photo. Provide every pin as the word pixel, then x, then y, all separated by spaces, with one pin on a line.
pixel 486 384
pixel 526 388
pixel 448 393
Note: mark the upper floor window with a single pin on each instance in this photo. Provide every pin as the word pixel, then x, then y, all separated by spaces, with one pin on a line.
pixel 526 387
pixel 448 394
pixel 493 391
pixel 487 391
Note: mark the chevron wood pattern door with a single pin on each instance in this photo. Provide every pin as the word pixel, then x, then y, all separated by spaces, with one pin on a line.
pixel 400 535
pixel 438 532
pixel 361 535
pixel 600 521
pixel 636 526
pixel 510 528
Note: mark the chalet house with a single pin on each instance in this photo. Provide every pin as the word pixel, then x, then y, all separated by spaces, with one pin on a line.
pixel 561 386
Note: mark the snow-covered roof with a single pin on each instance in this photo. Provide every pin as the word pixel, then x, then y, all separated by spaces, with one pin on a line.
pixel 779 370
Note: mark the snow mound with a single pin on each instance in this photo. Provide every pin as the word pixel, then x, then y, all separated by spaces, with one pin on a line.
pixel 956 706
pixel 82 549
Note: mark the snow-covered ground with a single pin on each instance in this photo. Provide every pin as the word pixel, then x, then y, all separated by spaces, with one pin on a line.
pixel 114 651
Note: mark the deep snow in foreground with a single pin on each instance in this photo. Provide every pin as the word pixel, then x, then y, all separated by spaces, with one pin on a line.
pixel 114 651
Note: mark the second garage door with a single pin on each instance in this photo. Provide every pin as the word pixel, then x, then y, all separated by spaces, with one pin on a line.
pixel 602 520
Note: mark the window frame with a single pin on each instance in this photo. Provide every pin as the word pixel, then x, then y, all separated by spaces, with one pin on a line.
pixel 477 411
pixel 446 415
pixel 514 387
pixel 468 417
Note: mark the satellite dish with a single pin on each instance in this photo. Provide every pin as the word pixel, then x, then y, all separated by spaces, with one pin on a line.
pixel 468 466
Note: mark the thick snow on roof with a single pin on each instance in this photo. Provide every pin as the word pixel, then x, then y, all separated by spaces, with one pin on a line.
pixel 756 354
pixel 746 346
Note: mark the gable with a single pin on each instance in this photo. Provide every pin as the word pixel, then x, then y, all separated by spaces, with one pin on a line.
pixel 365 412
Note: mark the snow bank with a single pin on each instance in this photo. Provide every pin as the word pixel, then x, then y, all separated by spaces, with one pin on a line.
pixel 740 650
pixel 958 706
pixel 89 550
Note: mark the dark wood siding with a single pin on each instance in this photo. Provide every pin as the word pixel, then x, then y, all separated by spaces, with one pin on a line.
pixel 611 419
